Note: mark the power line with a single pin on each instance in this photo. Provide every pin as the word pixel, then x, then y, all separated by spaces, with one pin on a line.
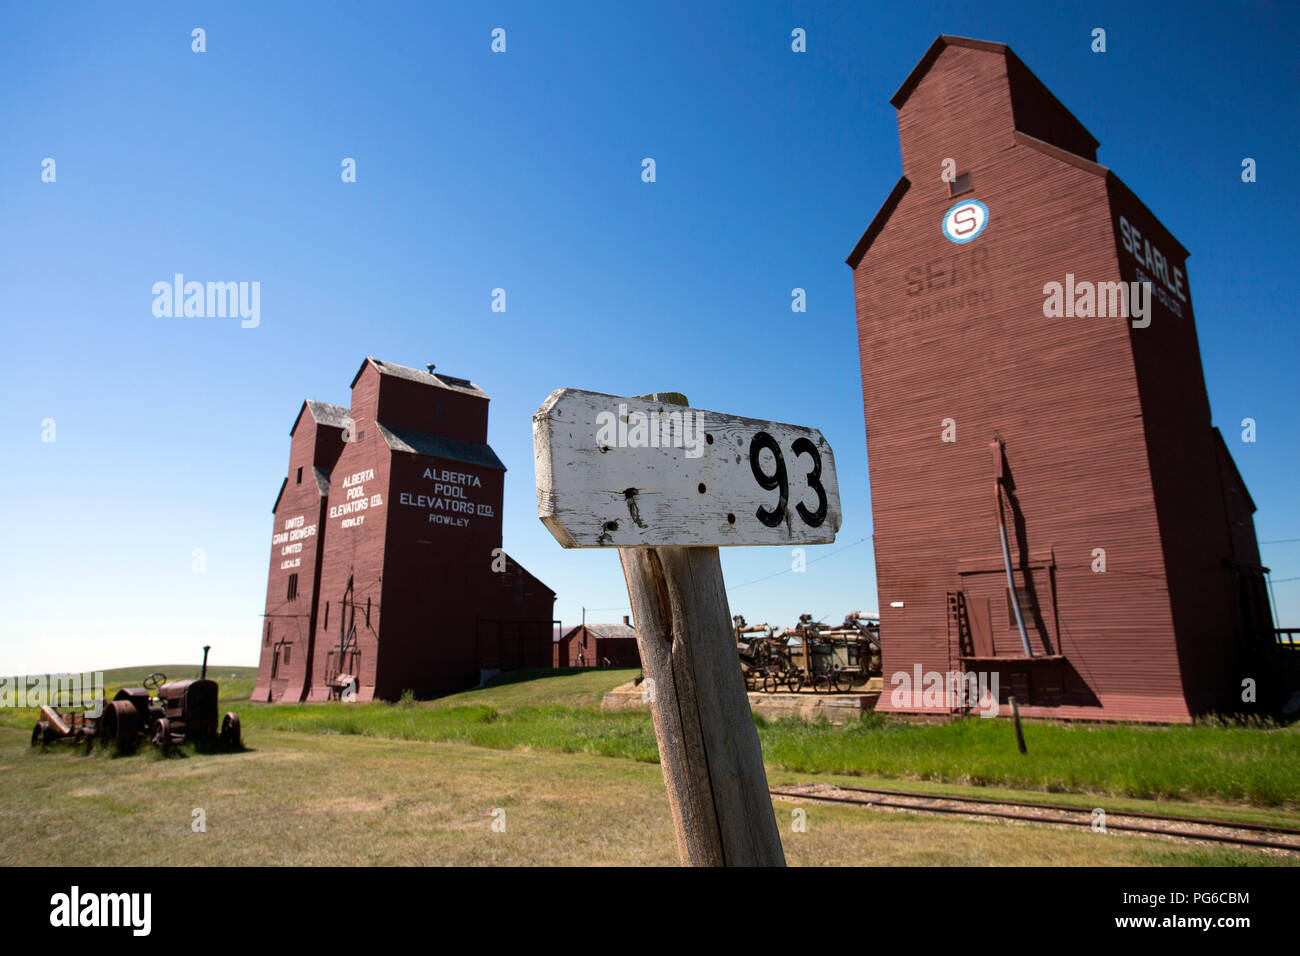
pixel 1282 541
pixel 791 570
pixel 823 557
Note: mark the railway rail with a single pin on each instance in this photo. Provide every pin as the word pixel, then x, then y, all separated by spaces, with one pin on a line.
pixel 1255 835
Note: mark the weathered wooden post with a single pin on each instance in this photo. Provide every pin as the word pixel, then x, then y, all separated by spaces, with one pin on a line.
pixel 667 485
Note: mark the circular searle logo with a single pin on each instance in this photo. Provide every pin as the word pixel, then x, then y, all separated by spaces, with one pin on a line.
pixel 966 220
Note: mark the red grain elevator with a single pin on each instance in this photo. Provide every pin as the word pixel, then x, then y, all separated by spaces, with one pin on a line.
pixel 387 568
pixel 1012 386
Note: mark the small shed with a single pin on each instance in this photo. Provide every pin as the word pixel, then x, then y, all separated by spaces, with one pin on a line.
pixel 599 645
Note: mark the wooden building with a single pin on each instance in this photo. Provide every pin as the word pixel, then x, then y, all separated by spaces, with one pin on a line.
pixel 395 577
pixel 1008 381
pixel 289 620
pixel 599 645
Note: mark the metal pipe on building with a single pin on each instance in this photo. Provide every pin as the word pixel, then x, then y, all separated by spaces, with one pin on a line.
pixel 996 446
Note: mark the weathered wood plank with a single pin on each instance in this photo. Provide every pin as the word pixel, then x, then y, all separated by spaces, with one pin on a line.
pixel 628 472
pixel 708 745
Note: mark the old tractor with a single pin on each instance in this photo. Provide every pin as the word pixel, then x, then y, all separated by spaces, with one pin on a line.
pixel 164 712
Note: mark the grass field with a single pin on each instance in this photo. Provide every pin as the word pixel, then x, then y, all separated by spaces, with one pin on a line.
pixel 418 783
pixel 558 712
pixel 323 799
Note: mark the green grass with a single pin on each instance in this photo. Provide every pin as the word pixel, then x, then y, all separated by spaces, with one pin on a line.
pixel 558 712
pixel 1228 764
pixel 417 783
pixel 331 799
pixel 1203 761
pixel 552 728
pixel 1232 765
pixel 568 687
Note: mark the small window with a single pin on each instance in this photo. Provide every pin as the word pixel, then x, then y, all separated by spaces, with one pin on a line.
pixel 327 614
pixel 1026 600
pixel 961 184
pixel 287 649
pixel 266 641
pixel 292 595
pixel 300 476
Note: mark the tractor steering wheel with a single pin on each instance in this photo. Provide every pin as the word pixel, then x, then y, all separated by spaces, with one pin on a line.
pixel 154 681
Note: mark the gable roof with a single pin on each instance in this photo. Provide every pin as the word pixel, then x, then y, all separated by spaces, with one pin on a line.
pixel 1023 83
pixel 449 382
pixel 1019 78
pixel 439 446
pixel 335 416
pixel 923 65
pixel 1018 75
pixel 325 414
pixel 606 632
pixel 514 567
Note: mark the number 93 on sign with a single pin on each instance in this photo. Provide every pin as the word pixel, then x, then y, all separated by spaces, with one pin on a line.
pixel 610 474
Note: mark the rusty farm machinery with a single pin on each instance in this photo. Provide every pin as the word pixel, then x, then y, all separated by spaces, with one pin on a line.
pixel 827 659
pixel 165 713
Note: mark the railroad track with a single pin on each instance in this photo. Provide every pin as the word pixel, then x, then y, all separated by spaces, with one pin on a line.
pixel 1230 832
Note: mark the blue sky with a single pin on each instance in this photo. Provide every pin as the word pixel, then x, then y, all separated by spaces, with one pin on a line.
pixel 522 170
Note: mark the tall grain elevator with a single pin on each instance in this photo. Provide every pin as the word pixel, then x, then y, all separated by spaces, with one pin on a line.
pixel 1031 375
pixel 387 569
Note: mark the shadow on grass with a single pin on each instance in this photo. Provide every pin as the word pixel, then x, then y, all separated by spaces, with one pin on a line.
pixel 145 750
pixel 518 677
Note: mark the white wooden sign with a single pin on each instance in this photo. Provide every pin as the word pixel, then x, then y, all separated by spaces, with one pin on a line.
pixel 627 472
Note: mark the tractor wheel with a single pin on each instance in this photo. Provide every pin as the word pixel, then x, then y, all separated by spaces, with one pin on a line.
pixel 40 732
pixel 230 730
pixel 121 724
pixel 162 736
